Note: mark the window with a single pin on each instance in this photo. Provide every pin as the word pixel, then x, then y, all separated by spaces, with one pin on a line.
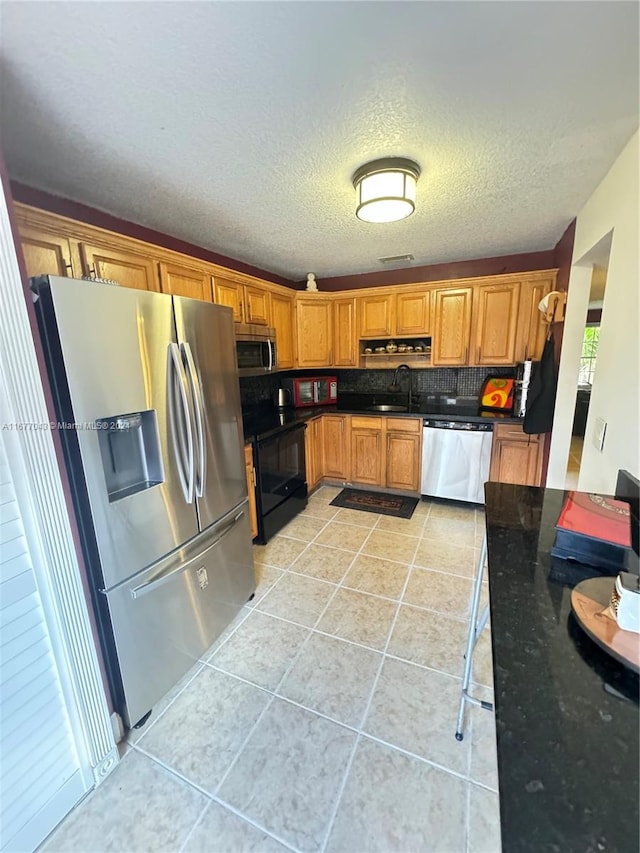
pixel 589 353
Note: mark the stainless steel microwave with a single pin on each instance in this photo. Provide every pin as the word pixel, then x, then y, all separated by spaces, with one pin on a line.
pixel 256 350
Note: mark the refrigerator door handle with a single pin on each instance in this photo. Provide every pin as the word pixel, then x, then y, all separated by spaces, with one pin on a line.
pixel 181 429
pixel 196 392
pixel 270 346
pixel 149 586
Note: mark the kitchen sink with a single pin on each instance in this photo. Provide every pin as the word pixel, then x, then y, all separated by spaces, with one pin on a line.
pixel 384 407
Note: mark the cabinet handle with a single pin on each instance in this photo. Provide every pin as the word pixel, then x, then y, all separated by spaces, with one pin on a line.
pixel 342 425
pixel 69 267
pixel 466 354
pixel 92 272
pixel 478 356
pixel 526 352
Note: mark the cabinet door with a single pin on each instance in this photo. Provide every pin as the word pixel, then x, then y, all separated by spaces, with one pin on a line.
pixel 515 456
pixel 335 444
pixel 313 452
pixel 412 313
pixel 229 293
pixel 256 306
pixel 367 451
pixel 313 332
pixel 251 489
pixel 451 326
pixel 403 461
pixel 495 311
pixel 45 253
pixel 129 269
pixel 344 333
pixel 531 329
pixel 185 281
pixel 282 322
pixel 376 316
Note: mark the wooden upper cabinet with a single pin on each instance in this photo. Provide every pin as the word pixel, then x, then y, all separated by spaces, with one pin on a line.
pixel 228 292
pixel 451 327
pixel 249 304
pixel 45 253
pixel 256 305
pixel 345 342
pixel 313 331
pixel 282 322
pixel 531 329
pixel 495 312
pixel 185 281
pixel 129 269
pixel 376 315
pixel 412 313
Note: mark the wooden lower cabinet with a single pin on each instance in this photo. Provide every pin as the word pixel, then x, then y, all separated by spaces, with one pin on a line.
pixel 515 456
pixel 366 451
pixel 336 446
pixel 386 452
pixel 313 452
pixel 251 489
pixel 404 442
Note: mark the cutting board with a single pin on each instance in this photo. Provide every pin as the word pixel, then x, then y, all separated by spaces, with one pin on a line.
pixel 588 601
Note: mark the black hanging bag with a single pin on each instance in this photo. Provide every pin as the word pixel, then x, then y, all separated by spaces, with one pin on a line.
pixel 541 399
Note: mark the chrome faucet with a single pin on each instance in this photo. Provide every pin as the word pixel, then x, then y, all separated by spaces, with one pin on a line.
pixel 395 387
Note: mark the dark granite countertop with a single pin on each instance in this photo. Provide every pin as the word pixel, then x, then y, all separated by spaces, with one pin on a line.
pixel 566 712
pixel 266 420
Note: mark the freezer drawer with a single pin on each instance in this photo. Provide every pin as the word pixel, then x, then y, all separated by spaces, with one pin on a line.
pixel 165 617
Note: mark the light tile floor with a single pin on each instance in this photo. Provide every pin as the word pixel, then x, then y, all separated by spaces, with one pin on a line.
pixel 323 719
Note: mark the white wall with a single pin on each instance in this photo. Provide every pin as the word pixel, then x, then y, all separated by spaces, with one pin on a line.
pixel 613 208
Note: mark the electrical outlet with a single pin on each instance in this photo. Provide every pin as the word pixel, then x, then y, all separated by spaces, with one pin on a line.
pixel 599 432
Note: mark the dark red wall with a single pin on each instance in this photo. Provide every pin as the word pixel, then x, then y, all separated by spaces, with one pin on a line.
pixel 100 219
pixel 441 272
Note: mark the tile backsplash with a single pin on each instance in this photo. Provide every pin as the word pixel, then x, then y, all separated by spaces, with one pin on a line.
pixel 457 381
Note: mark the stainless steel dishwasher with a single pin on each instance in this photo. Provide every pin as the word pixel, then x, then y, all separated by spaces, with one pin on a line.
pixel 455 459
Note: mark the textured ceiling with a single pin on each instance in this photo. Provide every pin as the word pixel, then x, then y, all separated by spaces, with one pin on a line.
pixel 238 125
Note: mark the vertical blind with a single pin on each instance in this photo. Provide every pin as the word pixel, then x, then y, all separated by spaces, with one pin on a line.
pixel 39 773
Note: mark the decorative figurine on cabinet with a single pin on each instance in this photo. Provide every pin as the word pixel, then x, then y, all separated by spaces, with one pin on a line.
pixel 312 285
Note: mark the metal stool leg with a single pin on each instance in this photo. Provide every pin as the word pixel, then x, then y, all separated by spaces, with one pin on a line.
pixel 476 626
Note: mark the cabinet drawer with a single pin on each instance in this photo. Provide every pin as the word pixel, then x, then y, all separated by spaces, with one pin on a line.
pixel 512 432
pixel 413 425
pixel 365 422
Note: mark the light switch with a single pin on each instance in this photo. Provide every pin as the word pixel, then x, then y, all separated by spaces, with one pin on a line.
pixel 599 432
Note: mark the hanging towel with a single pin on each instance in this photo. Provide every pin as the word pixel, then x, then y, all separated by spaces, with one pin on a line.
pixel 542 393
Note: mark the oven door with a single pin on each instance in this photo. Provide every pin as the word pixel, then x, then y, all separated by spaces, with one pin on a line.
pixel 281 468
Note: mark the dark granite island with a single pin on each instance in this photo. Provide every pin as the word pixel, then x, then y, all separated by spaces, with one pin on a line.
pixel 566 713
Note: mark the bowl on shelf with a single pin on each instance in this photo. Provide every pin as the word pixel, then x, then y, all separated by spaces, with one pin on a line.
pixel 409 348
pixel 380 349
pixel 402 348
pixel 367 350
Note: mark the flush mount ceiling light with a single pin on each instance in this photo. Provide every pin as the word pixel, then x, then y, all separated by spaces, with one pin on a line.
pixel 386 189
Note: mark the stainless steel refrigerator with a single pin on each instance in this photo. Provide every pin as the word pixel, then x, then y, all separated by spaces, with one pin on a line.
pixel 146 393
